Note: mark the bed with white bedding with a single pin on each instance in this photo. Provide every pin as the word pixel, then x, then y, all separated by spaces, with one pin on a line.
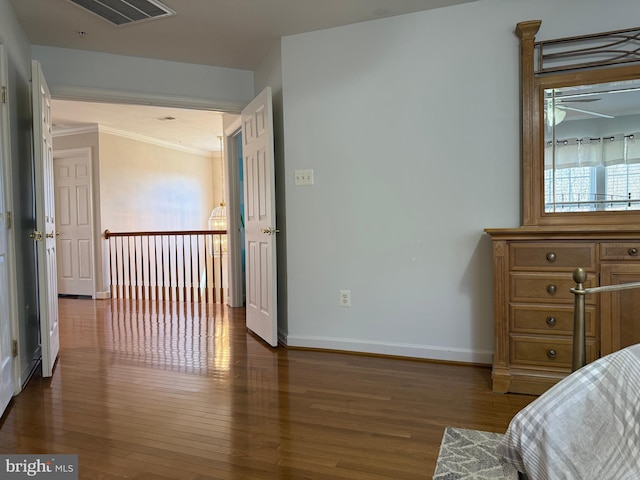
pixel 585 427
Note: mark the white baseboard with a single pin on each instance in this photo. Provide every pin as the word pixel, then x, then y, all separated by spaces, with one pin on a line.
pixel 103 295
pixel 428 352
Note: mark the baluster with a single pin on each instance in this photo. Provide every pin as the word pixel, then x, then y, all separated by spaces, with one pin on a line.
pixel 174 269
pixel 169 269
pixel 131 269
pixel 192 270
pixel 154 294
pixel 221 267
pixel 162 276
pixel 199 267
pixel 120 267
pixel 124 269
pixel 148 285
pixel 134 281
pixel 185 286
pixel 207 256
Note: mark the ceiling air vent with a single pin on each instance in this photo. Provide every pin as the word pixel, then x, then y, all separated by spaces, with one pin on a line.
pixel 125 12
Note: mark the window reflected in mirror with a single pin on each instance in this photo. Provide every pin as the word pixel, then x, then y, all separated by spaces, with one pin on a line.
pixel 592 147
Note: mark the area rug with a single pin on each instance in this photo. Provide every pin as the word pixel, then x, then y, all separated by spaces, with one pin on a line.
pixel 471 454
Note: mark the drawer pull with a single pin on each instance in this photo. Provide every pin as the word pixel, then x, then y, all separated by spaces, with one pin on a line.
pixel 551 257
pixel 551 353
pixel 551 289
pixel 551 321
pixel 633 251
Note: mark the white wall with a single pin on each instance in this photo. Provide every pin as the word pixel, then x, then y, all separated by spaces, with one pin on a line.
pixel 80 74
pixel 411 125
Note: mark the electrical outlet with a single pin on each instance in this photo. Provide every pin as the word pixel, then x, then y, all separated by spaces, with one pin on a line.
pixel 303 177
pixel 345 298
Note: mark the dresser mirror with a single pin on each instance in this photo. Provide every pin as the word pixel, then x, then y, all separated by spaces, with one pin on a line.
pixel 580 128
pixel 592 147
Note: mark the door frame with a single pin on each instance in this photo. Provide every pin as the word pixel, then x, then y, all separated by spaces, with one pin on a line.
pixel 236 290
pixel 95 234
pixel 82 94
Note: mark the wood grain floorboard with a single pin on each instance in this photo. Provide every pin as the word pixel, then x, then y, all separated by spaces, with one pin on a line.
pixel 145 390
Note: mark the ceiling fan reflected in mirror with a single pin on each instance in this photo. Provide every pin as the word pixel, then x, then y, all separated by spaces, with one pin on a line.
pixel 557 109
pixel 561 104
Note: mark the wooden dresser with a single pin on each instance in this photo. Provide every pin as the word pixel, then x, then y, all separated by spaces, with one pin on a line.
pixel 580 208
pixel 533 305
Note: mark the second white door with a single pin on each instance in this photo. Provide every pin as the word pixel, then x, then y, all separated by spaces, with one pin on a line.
pixel 45 235
pixel 72 180
pixel 260 218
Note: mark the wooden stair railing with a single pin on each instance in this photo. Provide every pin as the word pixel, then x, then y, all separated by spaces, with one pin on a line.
pixel 185 265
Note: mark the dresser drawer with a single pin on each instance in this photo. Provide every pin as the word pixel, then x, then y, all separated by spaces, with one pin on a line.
pixel 546 288
pixel 547 351
pixel 549 319
pixel 620 251
pixel 552 256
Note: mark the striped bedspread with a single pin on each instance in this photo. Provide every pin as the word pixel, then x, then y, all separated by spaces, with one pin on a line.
pixel 585 427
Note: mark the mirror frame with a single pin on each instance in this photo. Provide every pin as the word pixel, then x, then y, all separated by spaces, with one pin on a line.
pixel 534 79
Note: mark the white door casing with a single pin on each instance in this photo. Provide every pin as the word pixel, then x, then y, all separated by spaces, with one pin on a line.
pixel 7 363
pixel 235 223
pixel 45 235
pixel 74 221
pixel 260 218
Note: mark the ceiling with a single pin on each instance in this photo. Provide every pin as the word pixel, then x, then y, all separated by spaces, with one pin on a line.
pixel 189 129
pixel 224 33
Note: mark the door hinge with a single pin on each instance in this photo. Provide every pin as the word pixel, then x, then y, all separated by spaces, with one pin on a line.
pixel 14 348
pixel 4 94
pixel 9 220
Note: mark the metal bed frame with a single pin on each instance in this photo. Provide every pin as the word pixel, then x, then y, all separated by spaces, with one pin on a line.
pixel 579 358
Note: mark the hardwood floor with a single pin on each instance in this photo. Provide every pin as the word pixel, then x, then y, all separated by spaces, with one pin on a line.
pixel 167 391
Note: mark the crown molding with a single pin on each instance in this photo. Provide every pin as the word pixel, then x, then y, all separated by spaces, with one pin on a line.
pixel 96 128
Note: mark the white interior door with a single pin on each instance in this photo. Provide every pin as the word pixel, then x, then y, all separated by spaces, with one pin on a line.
pixel 73 206
pixel 45 236
pixel 7 367
pixel 260 217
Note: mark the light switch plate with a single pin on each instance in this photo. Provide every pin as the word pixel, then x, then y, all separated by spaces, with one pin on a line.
pixel 345 298
pixel 303 177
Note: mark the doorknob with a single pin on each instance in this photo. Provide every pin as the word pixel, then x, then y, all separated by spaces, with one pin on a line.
pixel 270 231
pixel 35 235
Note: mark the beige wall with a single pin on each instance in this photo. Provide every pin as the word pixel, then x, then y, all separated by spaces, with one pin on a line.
pixel 150 187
